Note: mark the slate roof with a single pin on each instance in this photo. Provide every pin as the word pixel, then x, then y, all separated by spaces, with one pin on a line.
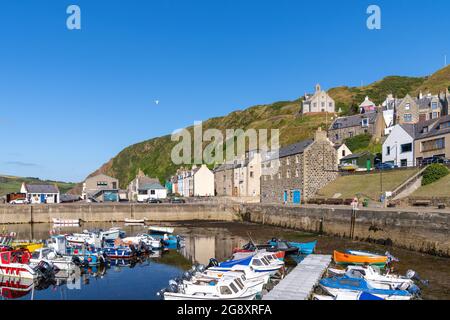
pixel 353 121
pixel 425 102
pixel 410 129
pixel 355 155
pixel 152 186
pixel 41 188
pixel 435 127
pixel 290 150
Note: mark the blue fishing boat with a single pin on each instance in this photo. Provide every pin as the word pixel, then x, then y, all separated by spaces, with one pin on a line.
pixel 87 257
pixel 336 286
pixel 169 241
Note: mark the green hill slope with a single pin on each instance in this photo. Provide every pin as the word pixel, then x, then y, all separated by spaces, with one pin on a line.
pixel 153 156
pixel 10 184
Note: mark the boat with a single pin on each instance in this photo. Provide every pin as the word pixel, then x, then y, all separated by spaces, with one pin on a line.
pixel 87 257
pixel 374 277
pixel 50 256
pixel 28 245
pixel 169 241
pixel 161 230
pixel 6 240
pixel 279 245
pixel 336 286
pixel 15 263
pixel 134 221
pixel 247 271
pixel 14 288
pixel 227 288
pixel 250 247
pixel 272 257
pixel 81 239
pixel 391 258
pixel 66 222
pixel 258 262
pixel 346 259
pixel 143 238
pixel 119 252
pixel 348 296
pixel 304 247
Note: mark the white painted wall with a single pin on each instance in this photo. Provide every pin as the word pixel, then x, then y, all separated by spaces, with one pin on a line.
pixel 204 182
pixel 397 138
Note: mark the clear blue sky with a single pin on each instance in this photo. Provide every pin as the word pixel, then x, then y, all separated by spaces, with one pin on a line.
pixel 71 100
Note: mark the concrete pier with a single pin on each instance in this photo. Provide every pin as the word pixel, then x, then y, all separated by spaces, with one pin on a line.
pixel 299 283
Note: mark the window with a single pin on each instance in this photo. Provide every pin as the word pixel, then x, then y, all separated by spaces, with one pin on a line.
pixel 350 134
pixel 297 158
pixel 256 262
pixel 407 106
pixel 142 192
pixel 435 144
pixel 434 105
pixel 330 105
pixel 435 115
pixel 407 117
pixel 336 137
pixel 407 147
pixel 388 151
pixel 343 153
pixel 444 125
pixel 404 163
pixel 365 122
pixel 251 174
pixel 152 192
pixel 296 173
pixel 102 183
pixel 288 174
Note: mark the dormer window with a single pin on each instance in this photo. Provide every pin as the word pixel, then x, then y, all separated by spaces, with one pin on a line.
pixel 434 105
pixel 365 122
pixel 407 106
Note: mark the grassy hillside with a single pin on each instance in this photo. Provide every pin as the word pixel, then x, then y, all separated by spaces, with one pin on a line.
pixel 9 184
pixel 153 156
pixel 440 188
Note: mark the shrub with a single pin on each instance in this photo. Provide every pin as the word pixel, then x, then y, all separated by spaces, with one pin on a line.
pixel 433 173
pixel 360 142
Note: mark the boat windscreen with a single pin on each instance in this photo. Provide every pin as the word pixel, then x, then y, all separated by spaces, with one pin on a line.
pixel 233 287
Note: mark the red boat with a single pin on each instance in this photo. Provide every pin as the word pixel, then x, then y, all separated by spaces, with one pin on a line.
pixel 280 254
pixel 15 263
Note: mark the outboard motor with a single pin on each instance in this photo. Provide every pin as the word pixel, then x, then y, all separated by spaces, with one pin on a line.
pixel 212 263
pixel 391 258
pixel 160 293
pixel 76 260
pixel 411 274
pixel 187 275
pixel 45 270
pixel 200 268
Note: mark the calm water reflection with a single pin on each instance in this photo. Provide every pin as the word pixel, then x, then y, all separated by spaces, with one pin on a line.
pixel 202 241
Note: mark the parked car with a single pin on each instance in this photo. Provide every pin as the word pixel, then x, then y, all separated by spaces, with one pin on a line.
pixel 348 167
pixel 153 200
pixel 19 201
pixel 177 200
pixel 385 166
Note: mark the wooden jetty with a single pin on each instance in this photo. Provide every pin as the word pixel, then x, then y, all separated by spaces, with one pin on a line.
pixel 300 282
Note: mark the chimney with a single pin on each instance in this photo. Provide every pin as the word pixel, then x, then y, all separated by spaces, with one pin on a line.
pixel 320 135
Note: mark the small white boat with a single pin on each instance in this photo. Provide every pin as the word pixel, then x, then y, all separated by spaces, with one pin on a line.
pixel 227 288
pixel 144 238
pixel 50 256
pixel 348 296
pixel 373 276
pixel 257 283
pixel 134 221
pixel 163 230
pixel 70 222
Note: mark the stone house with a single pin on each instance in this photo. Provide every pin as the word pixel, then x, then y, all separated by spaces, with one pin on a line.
pixel 422 108
pixel 320 101
pixel 342 128
pixel 432 139
pixel 342 151
pixel 224 180
pixel 303 169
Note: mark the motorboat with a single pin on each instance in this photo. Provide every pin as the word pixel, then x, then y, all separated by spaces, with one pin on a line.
pixel 348 259
pixel 258 262
pixel 49 255
pixel 348 296
pixel 335 286
pixel 226 288
pixel 143 238
pixel 160 230
pixel 16 263
pixel 374 276
pixel 66 222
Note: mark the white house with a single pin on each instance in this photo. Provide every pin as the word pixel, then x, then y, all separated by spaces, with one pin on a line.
pixel 151 191
pixel 203 182
pixel 342 151
pixel 41 193
pixel 398 148
pixel 320 101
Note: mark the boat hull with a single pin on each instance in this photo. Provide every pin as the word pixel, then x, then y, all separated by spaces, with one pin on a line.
pixel 346 259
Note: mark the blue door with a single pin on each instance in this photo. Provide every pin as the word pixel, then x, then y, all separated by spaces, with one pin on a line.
pixel 296 197
pixel 42 198
pixel 285 196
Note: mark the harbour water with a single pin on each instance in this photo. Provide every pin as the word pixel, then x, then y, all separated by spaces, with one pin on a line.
pixel 203 240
